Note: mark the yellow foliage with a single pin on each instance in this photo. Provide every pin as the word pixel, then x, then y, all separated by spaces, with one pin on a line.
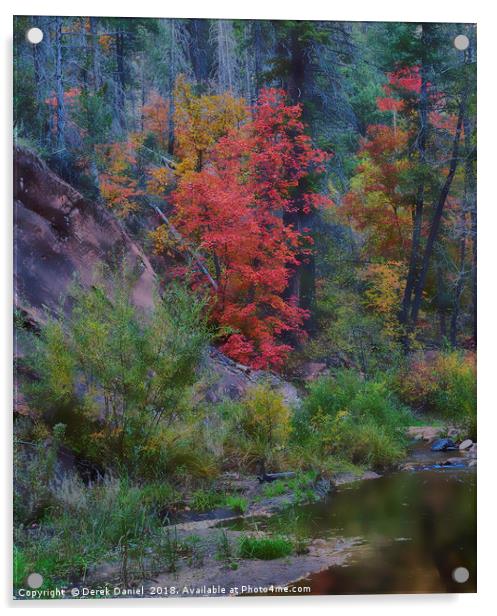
pixel 117 184
pixel 200 121
pixel 164 243
pixel 160 178
pixel 384 292
pixel 266 417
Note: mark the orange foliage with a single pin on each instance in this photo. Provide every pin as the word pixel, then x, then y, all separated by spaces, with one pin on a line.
pixel 376 205
pixel 156 119
pixel 117 184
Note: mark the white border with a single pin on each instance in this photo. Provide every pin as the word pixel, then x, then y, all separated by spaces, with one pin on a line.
pixel 380 10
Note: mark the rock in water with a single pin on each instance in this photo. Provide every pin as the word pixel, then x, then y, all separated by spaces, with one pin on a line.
pixel 465 444
pixel 443 444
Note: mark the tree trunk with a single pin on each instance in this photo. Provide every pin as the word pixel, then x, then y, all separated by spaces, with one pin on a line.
pixel 418 208
pixel 95 55
pixel 171 82
pixel 460 282
pixel 59 87
pixel 437 218
pixel 302 283
pixel 200 51
pixel 121 79
pixel 258 46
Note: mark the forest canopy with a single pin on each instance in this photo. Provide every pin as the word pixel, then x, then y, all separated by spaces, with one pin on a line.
pixel 317 179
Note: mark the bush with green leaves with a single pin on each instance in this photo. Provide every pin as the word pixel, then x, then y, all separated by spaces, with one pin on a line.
pixel 356 419
pixel 441 384
pixel 258 428
pixel 239 504
pixel 116 375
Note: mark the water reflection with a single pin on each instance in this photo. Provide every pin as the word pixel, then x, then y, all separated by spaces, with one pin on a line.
pixel 417 528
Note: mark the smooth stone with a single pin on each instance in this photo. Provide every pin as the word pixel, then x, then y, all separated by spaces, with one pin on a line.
pixel 451 461
pixel 465 444
pixel 370 475
pixel 443 444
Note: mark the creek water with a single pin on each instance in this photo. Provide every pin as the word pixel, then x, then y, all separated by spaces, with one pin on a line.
pixel 413 529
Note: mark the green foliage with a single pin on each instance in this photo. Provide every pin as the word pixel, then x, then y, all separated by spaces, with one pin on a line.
pixel 35 474
pixel 259 427
pixel 264 548
pixel 118 377
pixel 349 332
pixel 158 496
pixel 21 571
pixel 237 503
pixel 353 418
pixel 224 549
pixel 204 500
pixel 169 549
pixel 442 384
pixel 275 488
pixel 194 549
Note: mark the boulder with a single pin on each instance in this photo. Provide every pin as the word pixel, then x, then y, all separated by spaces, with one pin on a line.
pixel 310 371
pixel 466 444
pixel 227 379
pixel 425 433
pixel 408 466
pixel 370 475
pixel 443 444
pixel 452 461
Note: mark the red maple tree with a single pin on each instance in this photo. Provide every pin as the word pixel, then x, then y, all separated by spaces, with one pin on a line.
pixel 233 210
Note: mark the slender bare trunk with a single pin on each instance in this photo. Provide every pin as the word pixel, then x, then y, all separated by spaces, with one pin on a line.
pixel 59 87
pixel 437 218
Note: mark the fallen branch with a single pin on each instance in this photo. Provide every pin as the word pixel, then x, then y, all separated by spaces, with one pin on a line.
pixel 182 242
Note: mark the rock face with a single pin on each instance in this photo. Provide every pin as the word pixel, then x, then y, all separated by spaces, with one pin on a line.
pixel 59 234
pixel 312 370
pixel 232 380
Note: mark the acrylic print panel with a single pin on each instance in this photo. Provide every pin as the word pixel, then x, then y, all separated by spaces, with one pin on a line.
pixel 245 286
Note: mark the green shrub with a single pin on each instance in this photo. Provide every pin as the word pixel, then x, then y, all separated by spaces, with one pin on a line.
pixel 116 376
pixel 224 550
pixel 355 419
pixel 21 571
pixel 192 546
pixel 441 384
pixel 85 524
pixel 237 503
pixel 259 428
pixel 205 500
pixel 264 548
pixel 275 488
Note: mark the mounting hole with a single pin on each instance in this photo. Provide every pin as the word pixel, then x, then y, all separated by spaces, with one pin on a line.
pixel 461 42
pixel 35 580
pixel 34 36
pixel 460 575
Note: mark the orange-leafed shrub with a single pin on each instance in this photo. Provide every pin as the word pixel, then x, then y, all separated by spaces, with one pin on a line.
pixel 442 384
